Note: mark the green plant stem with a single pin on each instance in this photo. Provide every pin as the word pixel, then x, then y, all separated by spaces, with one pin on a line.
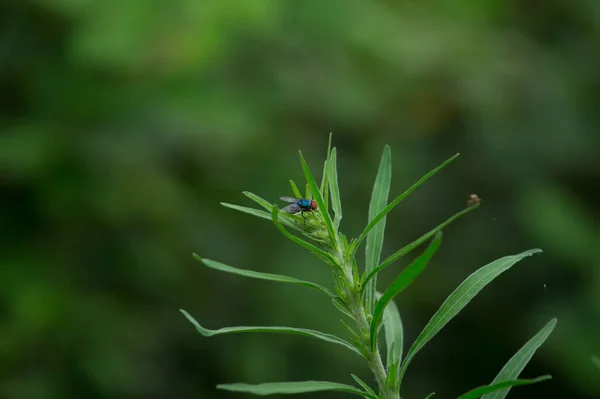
pixel 373 357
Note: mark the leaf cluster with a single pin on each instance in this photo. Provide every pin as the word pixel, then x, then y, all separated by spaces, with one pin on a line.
pixel 355 291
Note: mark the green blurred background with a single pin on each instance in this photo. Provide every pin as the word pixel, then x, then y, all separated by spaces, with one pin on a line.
pixel 125 123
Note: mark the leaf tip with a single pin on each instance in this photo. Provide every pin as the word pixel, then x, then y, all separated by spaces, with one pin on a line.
pixel 194 322
pixel 197 257
pixel 187 315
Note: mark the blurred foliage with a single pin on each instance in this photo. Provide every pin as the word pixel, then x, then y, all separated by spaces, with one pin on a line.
pixel 124 124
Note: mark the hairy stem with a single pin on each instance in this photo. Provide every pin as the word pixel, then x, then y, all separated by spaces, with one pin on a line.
pixel 373 357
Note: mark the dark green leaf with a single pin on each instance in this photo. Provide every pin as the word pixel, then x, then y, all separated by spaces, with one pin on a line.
pixel 260 201
pixel 262 276
pixel 295 190
pixel 251 211
pixel 406 278
pixel 364 385
pixel 337 302
pixel 379 198
pixel 261 214
pixel 397 200
pixel 270 329
pixel 286 388
pixel 336 203
pixel 324 179
pixel 394 334
pixel 517 363
pixel 397 255
pixel 478 392
pixel 459 298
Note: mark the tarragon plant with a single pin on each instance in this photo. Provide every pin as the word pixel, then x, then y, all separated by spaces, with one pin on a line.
pixel 355 293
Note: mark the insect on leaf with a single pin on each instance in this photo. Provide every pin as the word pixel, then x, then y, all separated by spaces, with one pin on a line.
pixel 257 212
pixel 325 256
pixel 319 199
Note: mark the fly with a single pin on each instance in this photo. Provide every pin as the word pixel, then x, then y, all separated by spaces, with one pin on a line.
pixel 298 205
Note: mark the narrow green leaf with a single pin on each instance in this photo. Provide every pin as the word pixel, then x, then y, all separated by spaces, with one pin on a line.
pixel 323 181
pixel 260 201
pixel 250 211
pixel 317 197
pixel 430 395
pixel 262 214
pixel 262 276
pixel 392 371
pixel 308 195
pixel 364 385
pixel 416 243
pixel 394 334
pixel 517 363
pixel 478 392
pixel 336 202
pixel 337 302
pixel 379 198
pixel 397 200
pixel 295 190
pixel 459 298
pixel 325 256
pixel 596 361
pixel 354 337
pixel 325 177
pixel 270 329
pixel 286 388
pixel 406 278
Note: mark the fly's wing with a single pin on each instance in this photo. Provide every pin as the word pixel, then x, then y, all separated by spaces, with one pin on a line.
pixel 292 208
pixel 289 199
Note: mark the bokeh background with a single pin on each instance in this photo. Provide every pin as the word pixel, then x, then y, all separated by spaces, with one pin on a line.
pixel 125 123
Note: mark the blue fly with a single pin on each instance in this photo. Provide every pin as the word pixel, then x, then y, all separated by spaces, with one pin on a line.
pixel 298 205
